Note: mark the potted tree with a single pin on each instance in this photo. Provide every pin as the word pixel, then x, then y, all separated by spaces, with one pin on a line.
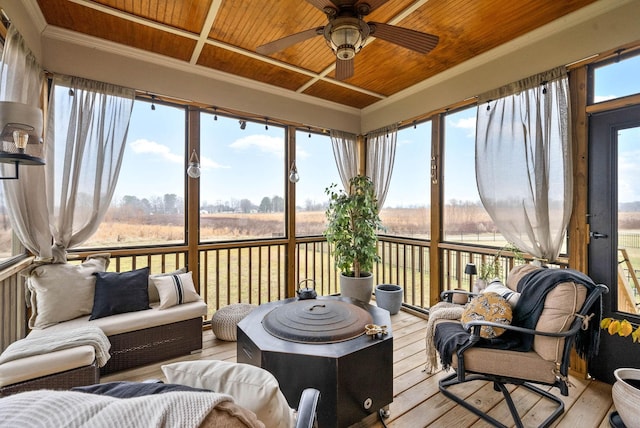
pixel 352 228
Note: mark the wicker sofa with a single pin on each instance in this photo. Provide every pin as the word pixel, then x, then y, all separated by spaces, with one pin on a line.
pixel 162 324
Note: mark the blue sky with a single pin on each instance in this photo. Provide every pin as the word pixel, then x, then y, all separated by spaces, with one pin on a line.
pixel 238 164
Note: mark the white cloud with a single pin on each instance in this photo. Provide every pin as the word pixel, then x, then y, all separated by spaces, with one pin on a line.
pixel 151 147
pixel 206 163
pixel 302 154
pixel 263 143
pixel 468 123
pixel 143 146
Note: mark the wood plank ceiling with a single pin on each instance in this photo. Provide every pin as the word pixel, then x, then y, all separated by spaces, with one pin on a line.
pixel 223 35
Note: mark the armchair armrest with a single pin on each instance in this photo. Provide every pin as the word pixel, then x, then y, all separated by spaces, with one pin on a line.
pixel 474 328
pixel 447 295
pixel 307 408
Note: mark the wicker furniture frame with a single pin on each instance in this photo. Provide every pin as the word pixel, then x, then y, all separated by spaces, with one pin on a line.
pixel 153 344
pixel 86 375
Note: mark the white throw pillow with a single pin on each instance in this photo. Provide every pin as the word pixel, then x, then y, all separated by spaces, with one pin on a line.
pixel 153 290
pixel 63 291
pixel 504 291
pixel 251 387
pixel 176 289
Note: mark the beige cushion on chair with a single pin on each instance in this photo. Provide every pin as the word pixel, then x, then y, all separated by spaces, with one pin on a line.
pixel 516 274
pixel 560 307
pixel 523 365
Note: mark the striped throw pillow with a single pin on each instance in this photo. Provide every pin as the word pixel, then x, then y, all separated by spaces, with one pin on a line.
pixel 176 289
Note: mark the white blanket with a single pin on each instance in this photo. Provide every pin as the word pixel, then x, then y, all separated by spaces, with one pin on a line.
pixel 439 311
pixel 63 339
pixel 44 408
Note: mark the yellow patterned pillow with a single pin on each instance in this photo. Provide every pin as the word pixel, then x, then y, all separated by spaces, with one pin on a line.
pixel 489 307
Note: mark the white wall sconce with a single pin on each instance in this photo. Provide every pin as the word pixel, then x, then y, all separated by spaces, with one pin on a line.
pixel 20 124
pixel 193 170
pixel 293 173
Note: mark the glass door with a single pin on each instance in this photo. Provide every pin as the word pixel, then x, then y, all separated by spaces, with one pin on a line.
pixel 614 219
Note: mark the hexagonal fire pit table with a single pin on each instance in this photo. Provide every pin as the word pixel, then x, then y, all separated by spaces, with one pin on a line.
pixel 321 343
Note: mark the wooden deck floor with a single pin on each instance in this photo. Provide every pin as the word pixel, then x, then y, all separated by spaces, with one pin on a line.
pixel 417 401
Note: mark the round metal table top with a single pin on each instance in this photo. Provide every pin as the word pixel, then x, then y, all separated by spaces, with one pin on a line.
pixel 317 321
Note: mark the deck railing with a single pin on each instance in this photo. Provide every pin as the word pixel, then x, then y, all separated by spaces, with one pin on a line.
pixel 256 271
pixel 13 306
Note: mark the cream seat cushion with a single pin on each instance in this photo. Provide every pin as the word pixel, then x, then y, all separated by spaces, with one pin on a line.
pixel 251 387
pixel 133 321
pixel 37 366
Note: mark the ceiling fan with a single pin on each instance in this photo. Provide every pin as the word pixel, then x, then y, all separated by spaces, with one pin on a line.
pixel 347 32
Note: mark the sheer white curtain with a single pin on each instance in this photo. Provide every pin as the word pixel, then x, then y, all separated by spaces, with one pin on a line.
pixel 381 154
pixel 523 161
pixel 86 135
pixel 21 78
pixel 345 152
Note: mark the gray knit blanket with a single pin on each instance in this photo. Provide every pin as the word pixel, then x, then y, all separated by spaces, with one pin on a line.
pixel 439 311
pixel 46 409
pixel 55 341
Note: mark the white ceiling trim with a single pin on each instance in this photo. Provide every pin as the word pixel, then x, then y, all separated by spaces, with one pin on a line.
pixel 588 12
pixel 206 28
pixel 203 38
pixel 71 37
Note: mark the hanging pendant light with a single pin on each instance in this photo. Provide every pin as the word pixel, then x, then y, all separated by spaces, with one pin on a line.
pixel 20 125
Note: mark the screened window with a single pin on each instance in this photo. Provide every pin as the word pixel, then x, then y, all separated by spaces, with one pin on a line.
pixel 148 205
pixel 617 78
pixel 242 180
pixel 317 171
pixel 9 244
pixel 464 217
pixel 406 211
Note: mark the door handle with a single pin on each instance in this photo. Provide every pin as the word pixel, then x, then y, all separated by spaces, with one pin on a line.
pixel 598 235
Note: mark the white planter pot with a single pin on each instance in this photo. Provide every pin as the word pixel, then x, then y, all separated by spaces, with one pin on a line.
pixel 627 396
pixel 389 297
pixel 358 288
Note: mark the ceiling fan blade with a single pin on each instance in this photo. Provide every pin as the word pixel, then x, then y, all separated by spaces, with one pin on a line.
pixel 285 42
pixel 410 39
pixel 344 68
pixel 373 4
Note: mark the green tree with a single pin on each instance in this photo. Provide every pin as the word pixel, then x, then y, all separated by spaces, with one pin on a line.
pixel 265 205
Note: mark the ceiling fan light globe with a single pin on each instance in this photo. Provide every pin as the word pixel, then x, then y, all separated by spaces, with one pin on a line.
pixel 345 52
pixel 346 34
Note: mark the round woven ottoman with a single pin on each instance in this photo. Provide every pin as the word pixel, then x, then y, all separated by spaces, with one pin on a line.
pixel 225 320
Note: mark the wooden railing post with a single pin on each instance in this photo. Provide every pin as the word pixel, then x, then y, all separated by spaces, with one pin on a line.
pixel 193 197
pixel 435 261
pixel 290 214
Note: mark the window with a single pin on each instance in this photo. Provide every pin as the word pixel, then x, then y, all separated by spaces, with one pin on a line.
pixel 406 211
pixel 317 170
pixel 464 217
pixel 9 244
pixel 242 181
pixel 616 78
pixel 148 203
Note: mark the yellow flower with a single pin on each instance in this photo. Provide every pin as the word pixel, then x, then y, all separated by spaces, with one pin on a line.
pixel 614 327
pixel 620 327
pixel 604 324
pixel 625 328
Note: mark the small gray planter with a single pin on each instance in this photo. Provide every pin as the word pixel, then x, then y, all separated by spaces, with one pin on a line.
pixel 389 297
